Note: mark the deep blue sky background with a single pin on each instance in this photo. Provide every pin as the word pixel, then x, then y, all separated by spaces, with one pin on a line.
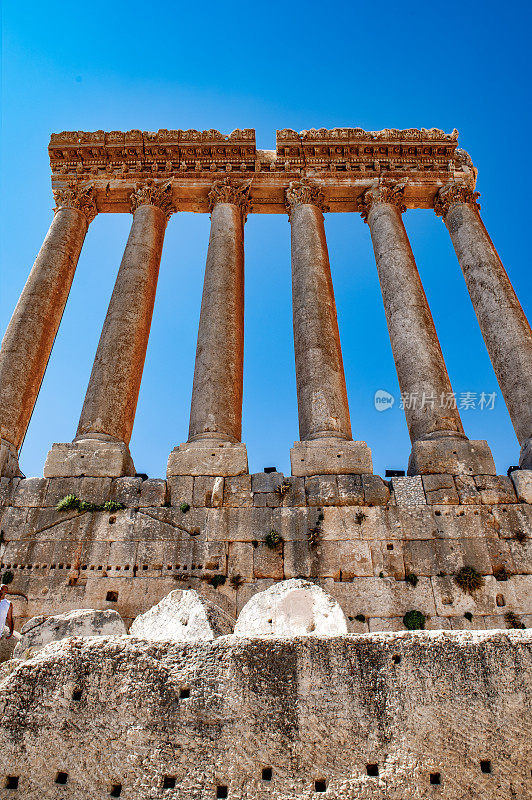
pixel 123 65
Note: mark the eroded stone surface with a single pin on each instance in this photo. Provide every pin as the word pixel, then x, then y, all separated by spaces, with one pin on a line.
pixel 522 480
pixel 182 616
pixel 291 608
pixel 40 631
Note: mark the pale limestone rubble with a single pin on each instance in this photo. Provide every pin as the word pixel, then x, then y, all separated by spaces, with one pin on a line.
pixel 40 631
pixel 182 616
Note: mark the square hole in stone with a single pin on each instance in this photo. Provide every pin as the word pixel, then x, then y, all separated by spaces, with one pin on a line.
pixel 372 769
pixel 111 597
pixel 116 790
pixel 168 782
pixel 184 693
pixel 221 792
pixel 61 777
pixel 435 778
pixel 76 695
pixel 267 773
pixel 485 766
pixel 320 786
pixel 11 782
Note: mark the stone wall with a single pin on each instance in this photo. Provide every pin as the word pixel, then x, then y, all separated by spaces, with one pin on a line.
pixel 380 548
pixel 390 716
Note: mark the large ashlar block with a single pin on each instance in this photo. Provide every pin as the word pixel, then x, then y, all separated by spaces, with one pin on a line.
pixel 182 616
pixel 89 457
pixel 208 458
pixel 451 456
pixel 522 480
pixel 40 631
pixel 330 457
pixel 9 467
pixel 291 608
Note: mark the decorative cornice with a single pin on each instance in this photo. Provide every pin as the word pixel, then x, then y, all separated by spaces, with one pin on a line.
pixel 231 191
pixel 454 193
pixel 304 192
pixel 392 192
pixel 152 194
pixel 80 196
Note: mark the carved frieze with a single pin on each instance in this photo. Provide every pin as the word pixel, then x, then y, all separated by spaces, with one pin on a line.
pixel 231 191
pixel 304 192
pixel 454 193
pixel 153 194
pixel 384 192
pixel 80 196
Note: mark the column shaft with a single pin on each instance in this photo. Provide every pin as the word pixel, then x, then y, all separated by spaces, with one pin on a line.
pixel 321 391
pixel 504 326
pixel 114 385
pixel 216 408
pixel 30 335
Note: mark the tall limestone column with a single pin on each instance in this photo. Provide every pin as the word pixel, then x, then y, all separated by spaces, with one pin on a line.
pixel 504 326
pixel 214 446
pixel 30 335
pixel 439 444
pixel 326 445
pixel 106 423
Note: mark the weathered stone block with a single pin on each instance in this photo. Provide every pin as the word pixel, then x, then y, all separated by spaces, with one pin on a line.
pixel 61 487
pixel 7 645
pixel 240 559
pixel 153 492
pixel 330 457
pixel 381 597
pixel 350 491
pixel 321 490
pixel 30 493
pixel 39 631
pixel 126 491
pixel 202 458
pixel 376 490
pixel 294 496
pixel 266 481
pixel 451 456
pixel 203 488
pixel 95 490
pixel 291 608
pixel 409 491
pixel 267 500
pixel 180 489
pixel 89 457
pixel 237 491
pixel 268 563
pixel 387 557
pixel 443 496
pixel 495 489
pixel 182 616
pixel 298 560
pixel 432 483
pixel 344 560
pixel 7 489
pixel 522 480
pixel 467 490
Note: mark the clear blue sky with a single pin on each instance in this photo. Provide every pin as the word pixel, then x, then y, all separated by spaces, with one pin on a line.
pixel 123 65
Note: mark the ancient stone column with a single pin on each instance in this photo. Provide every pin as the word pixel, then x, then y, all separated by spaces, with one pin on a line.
pixel 106 423
pixel 439 444
pixel 504 326
pixel 214 446
pixel 30 335
pixel 326 444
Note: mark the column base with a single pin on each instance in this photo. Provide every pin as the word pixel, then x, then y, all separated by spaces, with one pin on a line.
pixel 525 459
pixel 451 456
pixel 9 467
pixel 89 458
pixel 330 457
pixel 208 457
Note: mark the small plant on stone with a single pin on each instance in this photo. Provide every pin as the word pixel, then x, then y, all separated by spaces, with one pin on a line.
pixel 217 580
pixel 513 621
pixel 360 618
pixel 360 517
pixel 314 534
pixel 469 580
pixel 68 503
pixel 113 505
pixel 468 615
pixel 414 620
pixel 86 505
pixel 7 577
pixel 184 507
pixel 520 536
pixel 283 487
pixel 412 579
pixel 273 540
pixel 236 581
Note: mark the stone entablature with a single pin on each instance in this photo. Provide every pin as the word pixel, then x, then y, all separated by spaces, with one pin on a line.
pixel 346 160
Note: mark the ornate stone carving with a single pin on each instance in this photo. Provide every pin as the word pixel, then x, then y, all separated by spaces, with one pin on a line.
pixel 384 192
pixel 304 192
pixel 153 194
pixel 232 191
pixel 454 193
pixel 79 196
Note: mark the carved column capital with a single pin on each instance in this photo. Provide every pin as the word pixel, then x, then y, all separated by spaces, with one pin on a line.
pixel 77 196
pixel 304 192
pixel 231 191
pixel 152 194
pixel 385 192
pixel 454 193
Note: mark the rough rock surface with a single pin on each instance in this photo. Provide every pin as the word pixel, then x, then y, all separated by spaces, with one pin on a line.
pixel 316 712
pixel 291 608
pixel 40 631
pixel 182 616
pixel 7 646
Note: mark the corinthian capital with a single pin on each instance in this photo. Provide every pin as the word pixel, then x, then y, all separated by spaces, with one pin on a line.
pixel 454 193
pixel 304 192
pixel 387 191
pixel 152 194
pixel 231 191
pixel 80 196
